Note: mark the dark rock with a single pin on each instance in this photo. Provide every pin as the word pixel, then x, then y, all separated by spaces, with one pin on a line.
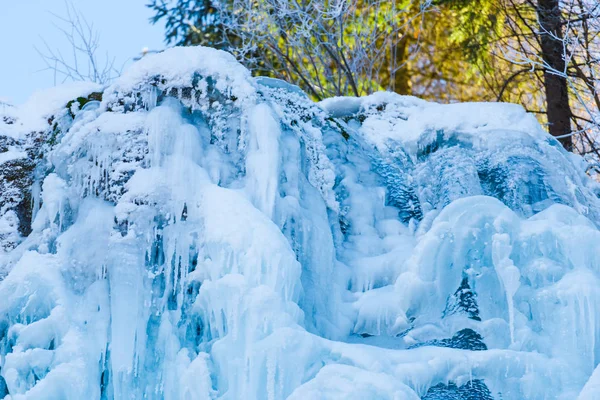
pixel 466 339
pixel 473 390
pixel 3 388
pixel 464 300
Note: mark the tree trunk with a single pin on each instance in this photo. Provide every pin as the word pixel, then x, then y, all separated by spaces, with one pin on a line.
pixel 400 79
pixel 557 94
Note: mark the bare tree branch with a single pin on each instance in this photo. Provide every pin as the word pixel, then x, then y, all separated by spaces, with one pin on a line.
pixel 83 64
pixel 328 47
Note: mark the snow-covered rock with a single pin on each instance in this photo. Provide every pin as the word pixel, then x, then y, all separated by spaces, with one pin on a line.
pixel 191 232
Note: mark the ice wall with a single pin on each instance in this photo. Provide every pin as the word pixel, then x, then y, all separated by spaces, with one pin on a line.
pixel 191 232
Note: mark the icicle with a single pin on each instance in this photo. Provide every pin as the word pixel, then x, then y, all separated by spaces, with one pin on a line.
pixel 162 125
pixel 36 196
pixel 262 161
pixel 150 97
pixel 508 273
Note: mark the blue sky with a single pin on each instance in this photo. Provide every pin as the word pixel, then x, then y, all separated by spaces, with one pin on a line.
pixel 122 24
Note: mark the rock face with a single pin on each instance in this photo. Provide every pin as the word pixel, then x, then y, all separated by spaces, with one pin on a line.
pixel 17 162
pixel 26 133
pixel 191 232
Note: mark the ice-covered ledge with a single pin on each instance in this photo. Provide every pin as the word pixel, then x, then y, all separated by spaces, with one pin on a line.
pixel 192 232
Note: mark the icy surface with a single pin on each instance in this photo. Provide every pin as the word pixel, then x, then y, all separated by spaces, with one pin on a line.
pixel 193 233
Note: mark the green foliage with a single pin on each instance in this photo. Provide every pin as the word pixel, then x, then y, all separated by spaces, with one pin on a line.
pixel 95 96
pixel 189 22
pixel 362 50
pixel 475 26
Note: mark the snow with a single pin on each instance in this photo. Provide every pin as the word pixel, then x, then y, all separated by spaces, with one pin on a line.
pixel 11 154
pixel 208 235
pixel 407 119
pixel 180 65
pixel 342 106
pixel 33 115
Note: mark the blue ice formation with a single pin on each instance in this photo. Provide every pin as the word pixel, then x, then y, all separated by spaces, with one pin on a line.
pixel 190 232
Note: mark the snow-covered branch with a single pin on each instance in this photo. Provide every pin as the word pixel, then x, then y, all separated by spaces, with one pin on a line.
pixel 328 47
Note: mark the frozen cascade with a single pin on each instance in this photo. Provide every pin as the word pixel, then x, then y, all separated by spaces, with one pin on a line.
pixel 191 232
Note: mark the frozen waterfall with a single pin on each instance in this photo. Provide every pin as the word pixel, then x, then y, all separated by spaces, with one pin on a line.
pixel 191 232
